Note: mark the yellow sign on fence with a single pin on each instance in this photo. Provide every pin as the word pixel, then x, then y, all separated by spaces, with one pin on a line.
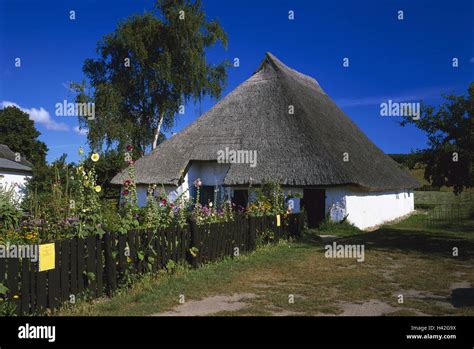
pixel 278 220
pixel 46 257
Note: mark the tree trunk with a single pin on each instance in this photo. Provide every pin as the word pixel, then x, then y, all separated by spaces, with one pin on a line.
pixel 157 132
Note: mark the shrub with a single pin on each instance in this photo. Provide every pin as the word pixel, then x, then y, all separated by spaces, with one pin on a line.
pixel 270 200
pixel 10 214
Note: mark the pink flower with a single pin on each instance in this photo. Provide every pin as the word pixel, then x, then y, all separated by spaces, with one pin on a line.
pixel 129 147
pixel 127 182
pixel 131 162
pixel 163 202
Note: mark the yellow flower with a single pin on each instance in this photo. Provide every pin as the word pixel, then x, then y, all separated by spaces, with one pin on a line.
pixel 95 157
pixel 129 260
pixel 16 296
pixel 97 188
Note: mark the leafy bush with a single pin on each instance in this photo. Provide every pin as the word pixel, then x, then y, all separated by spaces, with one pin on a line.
pixel 111 218
pixel 270 200
pixel 7 308
pixel 10 214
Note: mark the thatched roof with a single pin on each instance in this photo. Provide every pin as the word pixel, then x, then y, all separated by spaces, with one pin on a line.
pixel 8 161
pixel 303 149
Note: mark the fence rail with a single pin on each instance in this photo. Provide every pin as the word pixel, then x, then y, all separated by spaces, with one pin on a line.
pixel 98 265
pixel 450 213
pixel 445 207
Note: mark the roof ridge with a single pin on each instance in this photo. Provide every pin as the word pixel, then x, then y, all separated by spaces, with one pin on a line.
pixel 284 70
pixel 8 154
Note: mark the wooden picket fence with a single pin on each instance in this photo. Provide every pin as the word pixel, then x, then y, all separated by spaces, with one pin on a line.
pixel 97 265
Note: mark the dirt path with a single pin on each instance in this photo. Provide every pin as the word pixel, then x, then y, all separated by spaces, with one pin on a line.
pixel 210 305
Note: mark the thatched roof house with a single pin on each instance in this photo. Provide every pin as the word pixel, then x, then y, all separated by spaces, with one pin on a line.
pixel 300 138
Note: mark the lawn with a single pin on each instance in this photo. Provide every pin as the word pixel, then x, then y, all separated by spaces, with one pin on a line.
pixel 406 259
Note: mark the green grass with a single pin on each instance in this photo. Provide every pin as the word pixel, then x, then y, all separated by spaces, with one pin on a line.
pixel 340 229
pixel 438 197
pixel 407 258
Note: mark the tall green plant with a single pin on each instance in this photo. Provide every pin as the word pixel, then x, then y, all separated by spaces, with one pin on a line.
pixel 86 203
pixel 10 214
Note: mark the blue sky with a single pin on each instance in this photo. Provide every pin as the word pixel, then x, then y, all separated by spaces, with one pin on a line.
pixel 404 60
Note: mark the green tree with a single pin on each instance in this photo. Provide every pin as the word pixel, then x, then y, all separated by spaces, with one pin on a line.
pixel 409 161
pixel 450 130
pixel 146 69
pixel 18 132
pixel 109 164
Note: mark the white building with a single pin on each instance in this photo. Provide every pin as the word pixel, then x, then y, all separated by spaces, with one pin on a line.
pixel 14 171
pixel 298 137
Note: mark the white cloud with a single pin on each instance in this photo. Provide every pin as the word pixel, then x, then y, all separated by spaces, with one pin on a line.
pixel 82 132
pixel 40 116
pixel 409 96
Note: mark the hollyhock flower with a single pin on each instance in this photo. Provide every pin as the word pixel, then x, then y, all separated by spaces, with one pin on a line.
pixel 197 183
pixel 163 202
pixel 127 182
pixel 97 188
pixel 129 147
pixel 131 162
pixel 95 157
pixel 125 192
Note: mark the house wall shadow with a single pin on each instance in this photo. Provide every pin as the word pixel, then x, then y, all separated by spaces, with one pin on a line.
pixel 409 240
pixel 462 297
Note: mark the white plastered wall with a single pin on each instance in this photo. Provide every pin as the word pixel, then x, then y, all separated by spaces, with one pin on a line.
pixel 368 209
pixel 210 173
pixel 10 179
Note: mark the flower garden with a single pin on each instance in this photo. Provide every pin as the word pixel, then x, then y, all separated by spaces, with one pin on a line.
pixel 100 244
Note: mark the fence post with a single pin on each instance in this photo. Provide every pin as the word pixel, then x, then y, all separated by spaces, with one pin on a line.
pixel 110 268
pixel 194 243
pixel 13 267
pixel 25 287
pixel 300 225
pixel 64 281
pixel 54 279
pixel 252 234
